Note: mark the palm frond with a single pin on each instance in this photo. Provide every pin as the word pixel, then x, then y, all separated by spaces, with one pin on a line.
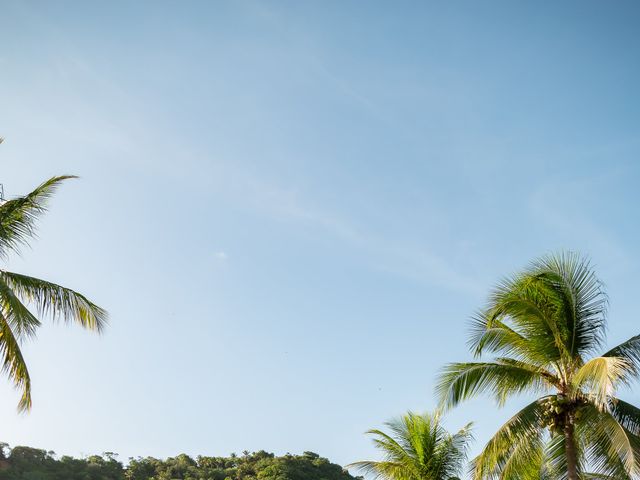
pixel 491 333
pixel 555 311
pixel 396 449
pixel 20 319
pixel 525 461
pixel 13 364
pixel 55 300
pixel 596 476
pixel 612 449
pixel 19 292
pixel 383 469
pixel 556 457
pixel 18 216
pixel 461 381
pixel 522 430
pixel 626 415
pixel 599 377
pixel 452 451
pixel 525 302
pixel 580 294
pixel 630 351
pixel 417 448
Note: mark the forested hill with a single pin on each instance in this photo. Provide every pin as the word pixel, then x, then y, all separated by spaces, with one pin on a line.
pixel 25 463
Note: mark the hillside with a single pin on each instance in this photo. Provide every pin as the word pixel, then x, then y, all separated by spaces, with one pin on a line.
pixel 26 463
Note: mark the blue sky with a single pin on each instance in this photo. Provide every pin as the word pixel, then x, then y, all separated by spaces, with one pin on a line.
pixel 291 209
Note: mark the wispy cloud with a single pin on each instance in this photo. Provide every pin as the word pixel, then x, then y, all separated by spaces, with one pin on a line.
pixel 389 254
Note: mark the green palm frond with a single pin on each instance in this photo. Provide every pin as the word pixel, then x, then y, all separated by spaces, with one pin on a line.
pixel 397 450
pixel 582 297
pixel 596 476
pixel 19 292
pixel 556 307
pixel 625 414
pixel 522 304
pixel 452 452
pixel 612 449
pixel 18 216
pixel 525 461
pixel 502 378
pixel 508 448
pixel 56 301
pixel 22 322
pixel 630 351
pixel 417 448
pixel 556 457
pixel 383 469
pixel 13 364
pixel 490 334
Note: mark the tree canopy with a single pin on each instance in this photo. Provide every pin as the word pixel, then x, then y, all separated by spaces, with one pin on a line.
pixel 26 463
pixel 545 327
pixel 418 448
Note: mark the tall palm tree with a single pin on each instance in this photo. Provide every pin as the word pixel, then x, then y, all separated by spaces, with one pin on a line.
pixel 19 292
pixel 544 327
pixel 418 448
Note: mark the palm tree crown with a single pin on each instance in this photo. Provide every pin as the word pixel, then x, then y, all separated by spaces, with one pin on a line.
pixel 17 292
pixel 544 328
pixel 418 448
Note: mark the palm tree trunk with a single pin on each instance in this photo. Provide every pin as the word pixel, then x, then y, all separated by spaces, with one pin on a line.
pixel 570 450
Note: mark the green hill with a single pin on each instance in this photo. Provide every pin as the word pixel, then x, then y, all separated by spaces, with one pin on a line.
pixel 26 463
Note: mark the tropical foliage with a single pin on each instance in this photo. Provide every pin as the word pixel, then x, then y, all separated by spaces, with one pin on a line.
pixel 19 293
pixel 544 327
pixel 417 448
pixel 22 463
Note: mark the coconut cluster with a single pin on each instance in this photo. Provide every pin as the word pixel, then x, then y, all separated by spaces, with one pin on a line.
pixel 557 411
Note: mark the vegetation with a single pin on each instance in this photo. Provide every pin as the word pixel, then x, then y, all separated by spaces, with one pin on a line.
pixel 24 463
pixel 544 326
pixel 418 448
pixel 18 292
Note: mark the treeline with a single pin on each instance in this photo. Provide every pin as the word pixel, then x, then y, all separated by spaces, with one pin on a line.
pixel 26 463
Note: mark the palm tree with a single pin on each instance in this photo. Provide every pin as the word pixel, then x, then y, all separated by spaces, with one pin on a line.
pixel 18 292
pixel 418 448
pixel 544 327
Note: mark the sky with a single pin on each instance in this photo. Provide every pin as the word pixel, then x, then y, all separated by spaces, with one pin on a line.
pixel 292 209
